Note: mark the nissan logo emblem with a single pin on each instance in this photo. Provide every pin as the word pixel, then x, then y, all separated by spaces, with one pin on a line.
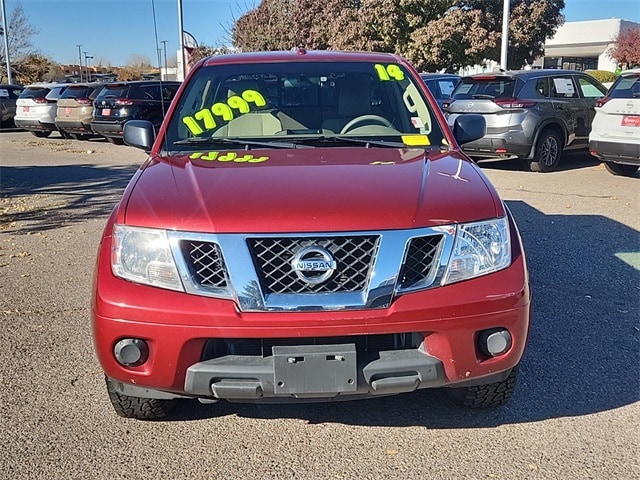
pixel 313 265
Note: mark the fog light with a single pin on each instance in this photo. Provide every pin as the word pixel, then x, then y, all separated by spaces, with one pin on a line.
pixel 131 352
pixel 494 342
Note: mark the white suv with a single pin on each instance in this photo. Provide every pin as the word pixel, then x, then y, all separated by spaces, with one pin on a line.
pixel 37 106
pixel 615 133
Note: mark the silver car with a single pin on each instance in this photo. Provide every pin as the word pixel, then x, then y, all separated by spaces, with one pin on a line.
pixel 530 114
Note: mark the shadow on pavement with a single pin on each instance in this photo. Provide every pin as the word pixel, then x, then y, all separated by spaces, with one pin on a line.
pixel 35 199
pixel 583 355
pixel 570 160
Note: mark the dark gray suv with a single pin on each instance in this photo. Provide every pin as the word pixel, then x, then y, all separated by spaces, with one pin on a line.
pixel 530 114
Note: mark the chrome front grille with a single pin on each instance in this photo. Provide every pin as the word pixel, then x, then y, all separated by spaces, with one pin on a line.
pixel 273 272
pixel 273 259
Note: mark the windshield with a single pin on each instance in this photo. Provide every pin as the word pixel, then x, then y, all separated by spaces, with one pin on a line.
pixel 304 102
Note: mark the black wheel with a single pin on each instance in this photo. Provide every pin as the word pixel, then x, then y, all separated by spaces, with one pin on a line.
pixel 65 135
pixel 485 396
pixel 547 153
pixel 42 133
pixel 621 169
pixel 137 407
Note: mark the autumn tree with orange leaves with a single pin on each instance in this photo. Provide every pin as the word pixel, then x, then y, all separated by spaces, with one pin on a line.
pixel 626 49
pixel 431 34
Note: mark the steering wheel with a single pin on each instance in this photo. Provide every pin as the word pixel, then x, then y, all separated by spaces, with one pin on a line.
pixel 365 118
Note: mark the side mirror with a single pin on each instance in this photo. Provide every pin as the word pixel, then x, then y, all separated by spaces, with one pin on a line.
pixel 139 134
pixel 468 127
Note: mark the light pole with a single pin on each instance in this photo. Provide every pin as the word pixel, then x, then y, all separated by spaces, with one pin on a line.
pixel 80 60
pixel 86 61
pixel 6 42
pixel 164 50
pixel 505 35
pixel 159 52
pixel 182 74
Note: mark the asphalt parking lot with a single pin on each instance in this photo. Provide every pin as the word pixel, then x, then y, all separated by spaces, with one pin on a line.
pixel 575 413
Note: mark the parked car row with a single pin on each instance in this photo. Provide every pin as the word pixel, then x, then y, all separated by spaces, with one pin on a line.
pixel 535 115
pixel 530 114
pixel 538 114
pixel 84 110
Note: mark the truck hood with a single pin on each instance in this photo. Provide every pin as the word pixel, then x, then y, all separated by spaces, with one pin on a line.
pixel 308 190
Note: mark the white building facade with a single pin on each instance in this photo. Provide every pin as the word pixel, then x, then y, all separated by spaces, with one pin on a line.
pixel 584 45
pixel 575 46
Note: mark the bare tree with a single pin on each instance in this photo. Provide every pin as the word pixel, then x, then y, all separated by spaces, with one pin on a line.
pixel 19 35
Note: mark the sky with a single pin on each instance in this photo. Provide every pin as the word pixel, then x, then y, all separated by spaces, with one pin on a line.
pixel 114 31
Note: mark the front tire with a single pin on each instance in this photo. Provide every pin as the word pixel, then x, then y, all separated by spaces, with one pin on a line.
pixel 547 154
pixel 485 396
pixel 137 407
pixel 621 169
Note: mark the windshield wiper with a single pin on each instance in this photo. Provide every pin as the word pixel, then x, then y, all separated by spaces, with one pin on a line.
pixel 325 140
pixel 235 141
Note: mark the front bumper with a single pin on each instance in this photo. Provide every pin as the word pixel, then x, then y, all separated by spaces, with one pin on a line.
pixel 177 327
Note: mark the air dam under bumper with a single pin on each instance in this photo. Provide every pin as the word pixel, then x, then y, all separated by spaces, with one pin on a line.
pixel 313 372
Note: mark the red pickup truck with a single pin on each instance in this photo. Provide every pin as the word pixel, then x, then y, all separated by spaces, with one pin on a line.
pixel 306 226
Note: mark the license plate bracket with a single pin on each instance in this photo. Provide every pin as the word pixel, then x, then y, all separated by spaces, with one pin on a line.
pixel 314 369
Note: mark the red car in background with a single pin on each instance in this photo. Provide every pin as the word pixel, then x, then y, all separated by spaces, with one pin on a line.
pixel 306 226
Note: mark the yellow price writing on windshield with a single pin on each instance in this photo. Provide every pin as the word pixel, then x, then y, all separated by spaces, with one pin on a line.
pixel 390 72
pixel 227 157
pixel 205 119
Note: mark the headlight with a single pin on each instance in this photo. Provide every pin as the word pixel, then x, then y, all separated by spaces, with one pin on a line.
pixel 479 248
pixel 143 255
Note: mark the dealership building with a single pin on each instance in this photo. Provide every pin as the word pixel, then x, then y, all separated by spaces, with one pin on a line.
pixel 575 46
pixel 584 45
